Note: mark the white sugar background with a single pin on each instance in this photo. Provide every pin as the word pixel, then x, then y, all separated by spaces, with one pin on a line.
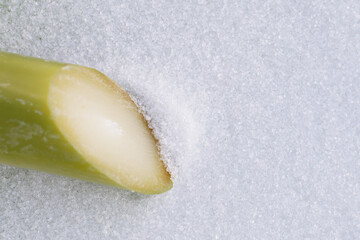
pixel 256 105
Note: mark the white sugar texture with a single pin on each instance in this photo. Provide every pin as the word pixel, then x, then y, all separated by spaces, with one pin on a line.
pixel 256 105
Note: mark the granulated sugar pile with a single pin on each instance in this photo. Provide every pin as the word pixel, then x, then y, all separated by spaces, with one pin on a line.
pixel 256 105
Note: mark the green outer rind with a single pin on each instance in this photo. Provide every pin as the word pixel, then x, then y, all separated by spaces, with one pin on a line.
pixel 29 138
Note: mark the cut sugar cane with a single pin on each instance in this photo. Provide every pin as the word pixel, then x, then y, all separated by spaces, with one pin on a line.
pixel 74 121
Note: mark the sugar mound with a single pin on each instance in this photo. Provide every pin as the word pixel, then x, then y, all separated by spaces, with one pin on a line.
pixel 255 105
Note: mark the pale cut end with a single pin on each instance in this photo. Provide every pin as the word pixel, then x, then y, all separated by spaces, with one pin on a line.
pixel 104 125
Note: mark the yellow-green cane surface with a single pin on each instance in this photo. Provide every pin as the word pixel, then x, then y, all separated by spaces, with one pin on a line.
pixel 29 136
